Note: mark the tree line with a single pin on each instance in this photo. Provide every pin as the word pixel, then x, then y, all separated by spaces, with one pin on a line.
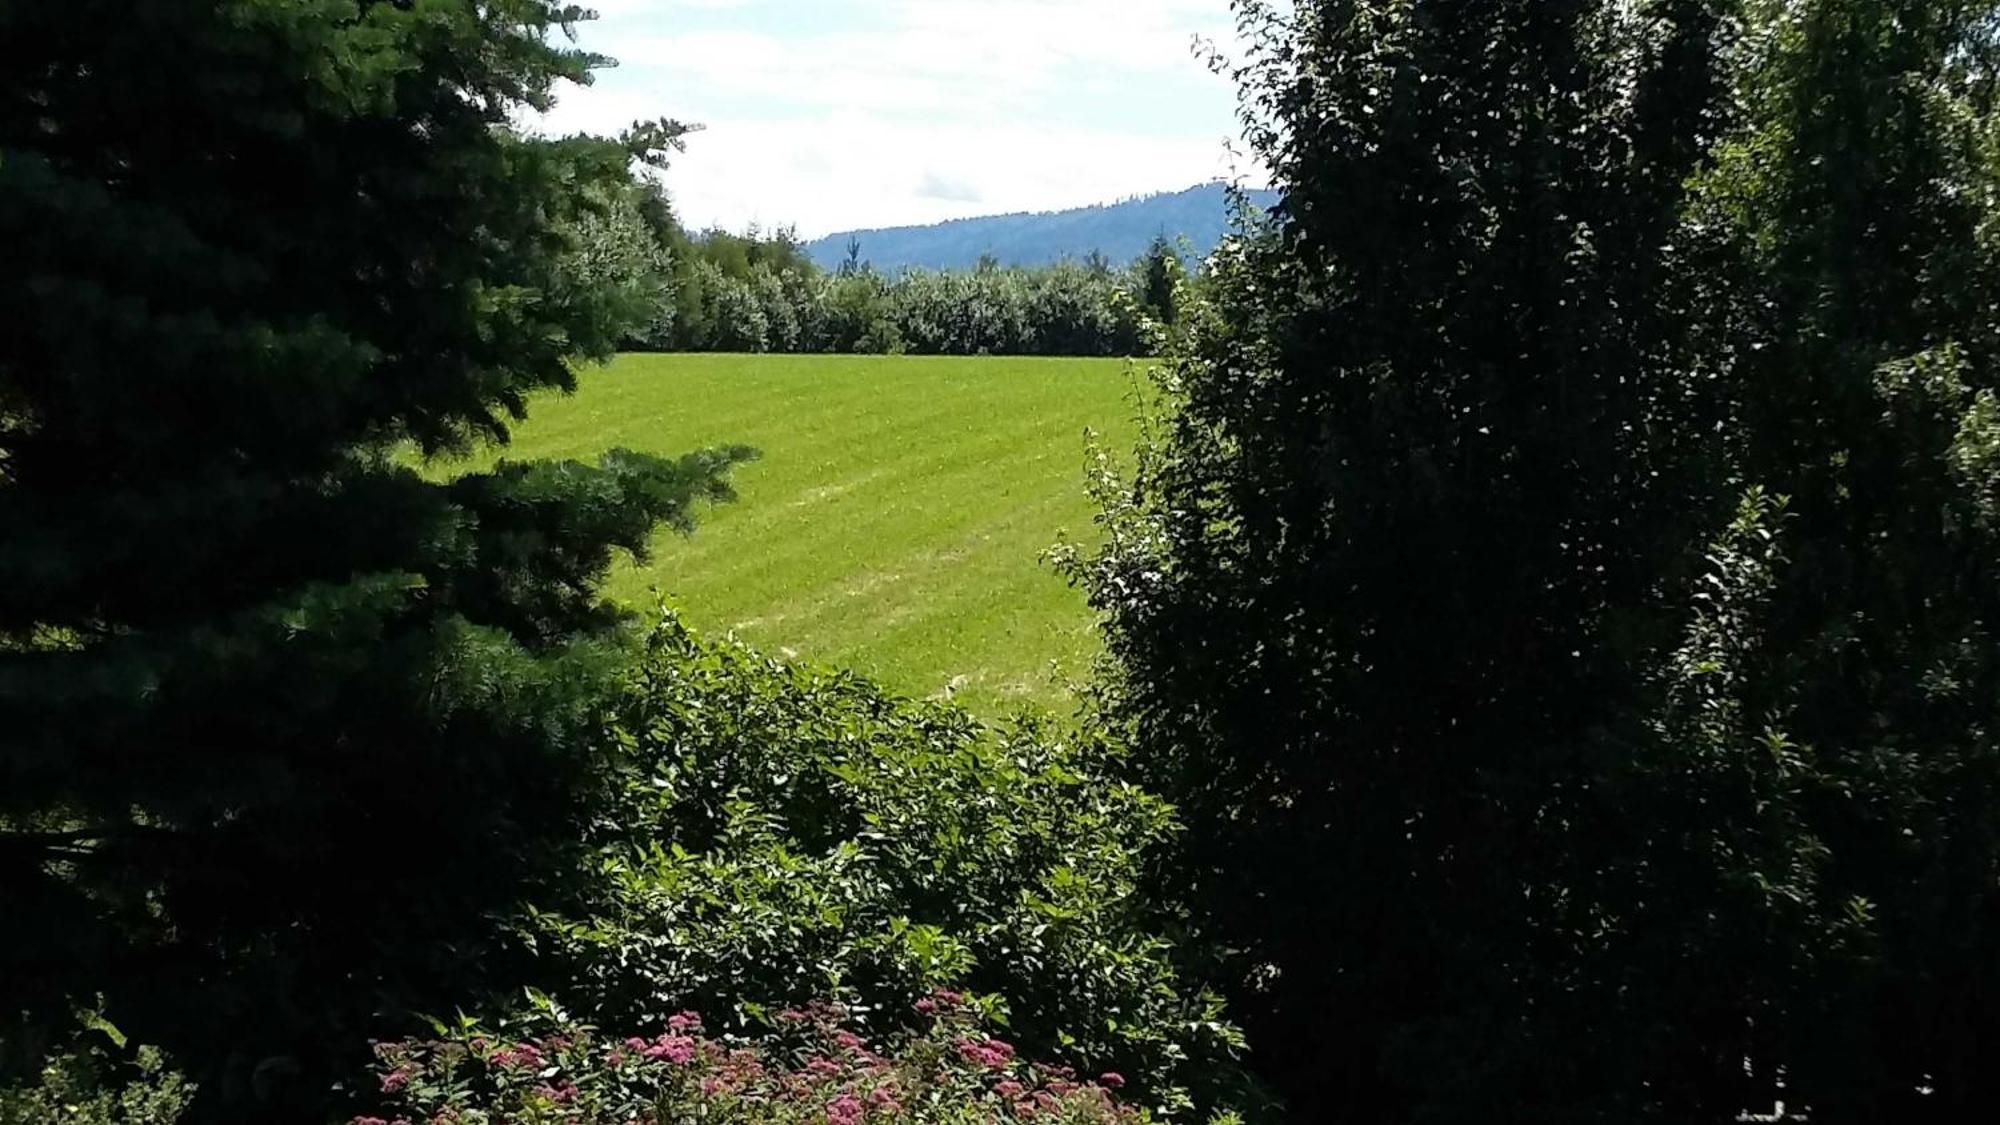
pixel 719 291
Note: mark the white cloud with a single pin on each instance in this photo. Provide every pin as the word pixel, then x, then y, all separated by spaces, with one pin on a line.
pixel 950 189
pixel 896 111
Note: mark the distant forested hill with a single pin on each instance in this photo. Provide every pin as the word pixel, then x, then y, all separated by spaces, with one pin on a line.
pixel 1119 231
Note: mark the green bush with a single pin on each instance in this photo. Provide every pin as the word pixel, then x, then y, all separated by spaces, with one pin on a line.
pixel 777 835
pixel 720 300
pixel 99 1083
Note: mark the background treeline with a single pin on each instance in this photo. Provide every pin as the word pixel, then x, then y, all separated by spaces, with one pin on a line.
pixel 717 291
pixel 1200 217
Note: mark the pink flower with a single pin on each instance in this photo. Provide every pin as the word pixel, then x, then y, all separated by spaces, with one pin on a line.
pixel 1008 1089
pixel 1111 1080
pixel 369 1121
pixel 395 1080
pixel 673 1048
pixel 683 1021
pixel 820 1066
pixel 844 1110
pixel 990 1053
pixel 849 1040
pixel 525 1055
pixel 927 1005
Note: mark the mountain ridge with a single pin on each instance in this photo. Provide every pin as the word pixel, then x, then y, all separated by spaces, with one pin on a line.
pixel 1121 231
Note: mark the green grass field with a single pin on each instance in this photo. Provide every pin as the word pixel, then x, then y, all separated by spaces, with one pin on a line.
pixel 894 522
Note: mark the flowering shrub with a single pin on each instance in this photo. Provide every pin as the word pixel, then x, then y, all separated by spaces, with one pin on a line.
pixel 812 1067
pixel 775 834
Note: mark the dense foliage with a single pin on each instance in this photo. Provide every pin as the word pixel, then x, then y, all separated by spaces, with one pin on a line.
pixel 784 304
pixel 281 721
pixel 1562 605
pixel 759 291
pixel 776 835
pixel 810 1067
pixel 1562 601
pixel 762 837
pixel 98 1078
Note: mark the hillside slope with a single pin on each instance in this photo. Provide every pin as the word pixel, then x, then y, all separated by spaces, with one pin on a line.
pixel 1120 231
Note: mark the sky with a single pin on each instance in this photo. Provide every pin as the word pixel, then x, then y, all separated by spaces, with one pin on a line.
pixel 832 115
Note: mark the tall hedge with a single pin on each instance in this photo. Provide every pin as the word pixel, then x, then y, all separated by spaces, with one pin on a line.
pixel 1562 600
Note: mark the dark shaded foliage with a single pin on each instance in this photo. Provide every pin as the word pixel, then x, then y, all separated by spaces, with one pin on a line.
pixel 281 722
pixel 1562 600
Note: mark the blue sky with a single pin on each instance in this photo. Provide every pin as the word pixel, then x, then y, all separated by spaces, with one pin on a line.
pixel 838 114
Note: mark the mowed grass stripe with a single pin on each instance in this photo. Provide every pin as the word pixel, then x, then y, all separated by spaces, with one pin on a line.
pixel 920 507
pixel 895 522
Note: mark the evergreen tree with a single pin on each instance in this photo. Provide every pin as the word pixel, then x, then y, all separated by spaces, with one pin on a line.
pixel 1159 272
pixel 281 719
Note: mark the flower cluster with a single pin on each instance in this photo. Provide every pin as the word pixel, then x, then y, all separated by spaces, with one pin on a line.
pixel 815 1068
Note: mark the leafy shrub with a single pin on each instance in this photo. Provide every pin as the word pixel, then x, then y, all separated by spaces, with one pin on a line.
pixel 881 338
pixel 90 1084
pixel 977 313
pixel 1064 309
pixel 853 308
pixel 779 834
pixel 1074 310
pixel 614 251
pixel 787 307
pixel 735 313
pixel 813 1069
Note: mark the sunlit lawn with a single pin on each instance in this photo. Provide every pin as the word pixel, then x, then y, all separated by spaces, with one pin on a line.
pixel 894 522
